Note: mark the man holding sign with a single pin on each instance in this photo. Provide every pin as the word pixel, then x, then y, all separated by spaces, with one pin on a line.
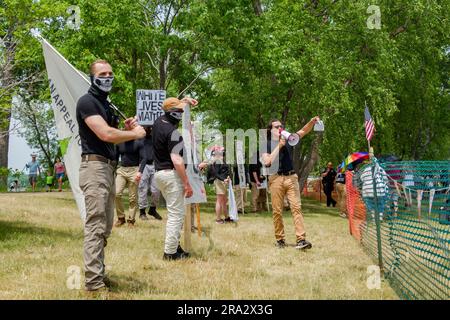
pixel 171 178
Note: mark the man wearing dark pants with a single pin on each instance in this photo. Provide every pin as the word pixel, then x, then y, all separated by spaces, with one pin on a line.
pixel 146 179
pixel 96 122
pixel 171 178
pixel 328 176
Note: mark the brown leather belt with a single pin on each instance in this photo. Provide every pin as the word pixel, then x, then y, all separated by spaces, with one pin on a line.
pixel 96 157
pixel 280 173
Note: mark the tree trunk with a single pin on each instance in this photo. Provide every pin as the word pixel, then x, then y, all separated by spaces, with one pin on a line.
pixel 6 76
pixel 257 7
pixel 303 166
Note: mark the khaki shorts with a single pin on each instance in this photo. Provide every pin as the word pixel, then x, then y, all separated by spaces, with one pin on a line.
pixel 221 187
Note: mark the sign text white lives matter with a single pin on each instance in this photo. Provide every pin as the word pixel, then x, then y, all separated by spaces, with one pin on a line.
pixel 149 105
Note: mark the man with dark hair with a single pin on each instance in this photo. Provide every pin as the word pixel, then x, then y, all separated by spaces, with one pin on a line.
pixel 97 122
pixel 171 177
pixel 283 181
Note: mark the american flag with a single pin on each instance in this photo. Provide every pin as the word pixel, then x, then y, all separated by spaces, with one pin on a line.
pixel 369 124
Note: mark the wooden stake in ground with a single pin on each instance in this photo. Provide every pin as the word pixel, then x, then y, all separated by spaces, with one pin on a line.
pixel 187 228
pixel 242 200
pixel 199 226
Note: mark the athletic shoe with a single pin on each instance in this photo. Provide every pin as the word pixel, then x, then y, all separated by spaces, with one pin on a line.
pixel 181 251
pixel 228 220
pixel 174 256
pixel 220 221
pixel 152 212
pixel 143 217
pixel 281 244
pixel 303 244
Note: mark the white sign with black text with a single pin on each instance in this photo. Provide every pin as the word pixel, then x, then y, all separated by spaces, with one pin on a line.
pixel 149 105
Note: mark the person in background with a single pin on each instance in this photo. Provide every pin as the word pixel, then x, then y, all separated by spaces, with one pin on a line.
pixel 49 181
pixel 59 172
pixel 128 152
pixel 259 202
pixel 328 176
pixel 342 194
pixel 241 199
pixel 219 171
pixel 34 169
pixel 146 179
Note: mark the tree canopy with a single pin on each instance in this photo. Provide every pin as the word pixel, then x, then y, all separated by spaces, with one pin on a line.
pixel 250 61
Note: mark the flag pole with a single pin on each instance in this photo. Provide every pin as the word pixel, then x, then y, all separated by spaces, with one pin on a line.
pixel 375 197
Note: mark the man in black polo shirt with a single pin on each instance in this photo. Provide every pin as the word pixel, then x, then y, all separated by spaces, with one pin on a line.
pixel 171 178
pixel 283 181
pixel 97 133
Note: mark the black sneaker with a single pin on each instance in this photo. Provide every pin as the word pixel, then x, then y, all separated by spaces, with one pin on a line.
pixel 281 244
pixel 228 220
pixel 181 251
pixel 152 212
pixel 174 256
pixel 303 244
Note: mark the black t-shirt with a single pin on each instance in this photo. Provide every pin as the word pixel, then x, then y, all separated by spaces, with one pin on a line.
pixel 129 152
pixel 166 140
pixel 91 104
pixel 329 178
pixel 283 161
pixel 146 153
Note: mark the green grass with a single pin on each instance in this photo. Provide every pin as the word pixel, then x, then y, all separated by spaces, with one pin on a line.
pixel 41 236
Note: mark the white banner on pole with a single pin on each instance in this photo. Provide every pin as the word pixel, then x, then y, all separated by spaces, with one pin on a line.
pixel 232 207
pixel 190 158
pixel 240 163
pixel 67 85
pixel 149 105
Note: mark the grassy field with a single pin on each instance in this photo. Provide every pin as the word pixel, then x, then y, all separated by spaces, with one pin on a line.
pixel 41 250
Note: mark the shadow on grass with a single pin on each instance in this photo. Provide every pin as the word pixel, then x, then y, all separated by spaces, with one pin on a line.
pixel 127 284
pixel 17 234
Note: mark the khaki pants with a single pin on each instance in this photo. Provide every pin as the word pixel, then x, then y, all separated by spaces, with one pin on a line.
pixel 98 185
pixel 281 186
pixel 342 197
pixel 171 187
pixel 258 198
pixel 125 177
pixel 238 197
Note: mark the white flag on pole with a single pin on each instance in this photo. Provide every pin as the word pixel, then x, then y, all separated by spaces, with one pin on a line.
pixel 190 157
pixel 67 85
pixel 232 207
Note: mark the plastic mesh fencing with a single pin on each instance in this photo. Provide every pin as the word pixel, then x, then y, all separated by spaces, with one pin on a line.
pixel 400 213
